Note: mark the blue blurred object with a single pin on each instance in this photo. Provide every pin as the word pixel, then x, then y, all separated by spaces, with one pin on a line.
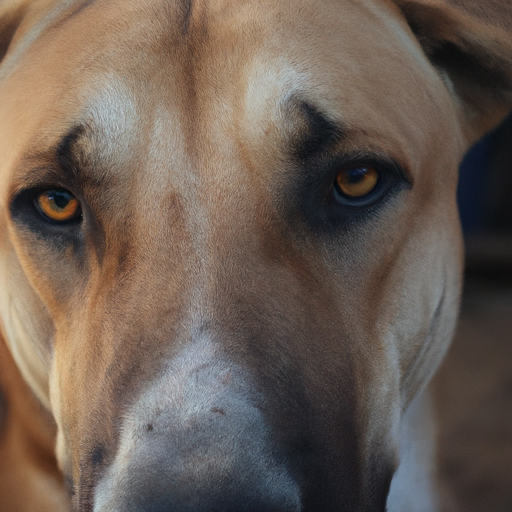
pixel 472 185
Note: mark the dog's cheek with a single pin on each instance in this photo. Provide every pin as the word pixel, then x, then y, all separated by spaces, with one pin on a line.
pixel 54 264
pixel 26 325
pixel 428 281
pixel 42 283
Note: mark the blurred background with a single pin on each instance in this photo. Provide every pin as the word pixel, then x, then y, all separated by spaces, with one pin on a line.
pixel 473 389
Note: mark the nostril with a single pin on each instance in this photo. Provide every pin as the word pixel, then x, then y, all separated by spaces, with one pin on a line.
pixel 149 427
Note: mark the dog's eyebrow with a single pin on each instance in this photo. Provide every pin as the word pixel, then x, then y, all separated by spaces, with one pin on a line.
pixel 315 132
pixel 66 161
pixel 68 157
pixel 75 157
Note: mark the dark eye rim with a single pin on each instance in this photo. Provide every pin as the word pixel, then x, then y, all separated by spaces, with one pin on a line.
pixel 37 193
pixel 24 209
pixel 315 190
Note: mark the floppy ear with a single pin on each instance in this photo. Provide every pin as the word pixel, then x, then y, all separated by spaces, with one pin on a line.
pixel 475 60
pixel 11 14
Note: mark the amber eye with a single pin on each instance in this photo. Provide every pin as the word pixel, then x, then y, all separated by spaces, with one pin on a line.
pixel 58 205
pixel 356 182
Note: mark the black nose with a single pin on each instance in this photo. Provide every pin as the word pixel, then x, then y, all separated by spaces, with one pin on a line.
pixel 217 473
pixel 227 502
pixel 204 468
pixel 198 444
pixel 206 477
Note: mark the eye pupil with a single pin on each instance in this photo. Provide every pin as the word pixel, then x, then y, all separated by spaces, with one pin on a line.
pixel 61 199
pixel 356 175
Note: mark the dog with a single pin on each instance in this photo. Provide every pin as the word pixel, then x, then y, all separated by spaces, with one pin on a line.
pixel 230 248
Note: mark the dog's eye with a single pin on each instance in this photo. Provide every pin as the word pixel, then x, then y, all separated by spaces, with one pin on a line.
pixel 58 205
pixel 355 183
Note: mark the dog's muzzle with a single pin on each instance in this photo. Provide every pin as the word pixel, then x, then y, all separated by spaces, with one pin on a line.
pixel 196 441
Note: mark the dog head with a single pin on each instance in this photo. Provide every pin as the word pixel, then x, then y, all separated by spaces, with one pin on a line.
pixel 230 245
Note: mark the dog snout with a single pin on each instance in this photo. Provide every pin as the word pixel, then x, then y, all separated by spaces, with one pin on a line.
pixel 197 441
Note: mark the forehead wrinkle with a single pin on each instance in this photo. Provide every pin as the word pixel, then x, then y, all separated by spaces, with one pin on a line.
pixel 186 8
pixel 74 10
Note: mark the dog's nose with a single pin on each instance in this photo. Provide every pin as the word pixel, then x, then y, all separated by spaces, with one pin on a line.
pixel 237 507
pixel 207 466
pixel 244 500
pixel 198 441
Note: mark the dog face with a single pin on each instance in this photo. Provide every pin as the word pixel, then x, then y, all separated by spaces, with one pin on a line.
pixel 230 245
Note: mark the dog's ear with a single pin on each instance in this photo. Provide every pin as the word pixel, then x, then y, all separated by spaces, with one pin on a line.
pixel 475 60
pixel 11 15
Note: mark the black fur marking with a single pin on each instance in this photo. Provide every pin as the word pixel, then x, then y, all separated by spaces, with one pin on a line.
pixel 66 152
pixel 317 134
